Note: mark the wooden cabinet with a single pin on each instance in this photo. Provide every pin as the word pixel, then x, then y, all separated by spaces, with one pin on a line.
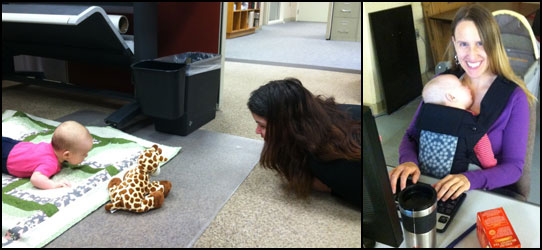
pixel 243 18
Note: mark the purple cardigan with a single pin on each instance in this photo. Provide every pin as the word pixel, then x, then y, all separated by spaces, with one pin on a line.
pixel 508 136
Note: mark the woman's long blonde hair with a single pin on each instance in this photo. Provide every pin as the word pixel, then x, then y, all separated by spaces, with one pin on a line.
pixel 491 39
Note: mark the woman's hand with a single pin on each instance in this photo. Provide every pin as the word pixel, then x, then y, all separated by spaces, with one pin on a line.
pixel 319 185
pixel 403 171
pixel 452 184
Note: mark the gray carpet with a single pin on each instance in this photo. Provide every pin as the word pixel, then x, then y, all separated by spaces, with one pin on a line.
pixel 206 173
pixel 296 44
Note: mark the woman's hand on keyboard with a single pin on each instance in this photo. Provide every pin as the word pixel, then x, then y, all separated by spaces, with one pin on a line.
pixel 403 171
pixel 452 184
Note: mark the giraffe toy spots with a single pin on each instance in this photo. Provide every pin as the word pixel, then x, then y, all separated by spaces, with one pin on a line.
pixel 136 192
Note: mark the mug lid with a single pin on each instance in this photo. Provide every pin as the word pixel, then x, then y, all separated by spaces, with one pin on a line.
pixel 417 197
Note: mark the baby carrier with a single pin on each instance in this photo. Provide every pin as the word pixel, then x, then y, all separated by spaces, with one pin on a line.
pixel 447 135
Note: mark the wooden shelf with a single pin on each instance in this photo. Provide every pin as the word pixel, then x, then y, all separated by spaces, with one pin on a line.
pixel 241 21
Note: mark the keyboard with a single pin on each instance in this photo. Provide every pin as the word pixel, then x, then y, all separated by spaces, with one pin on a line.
pixel 445 210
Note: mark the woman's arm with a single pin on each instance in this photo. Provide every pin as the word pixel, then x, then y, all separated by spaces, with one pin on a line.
pixel 408 149
pixel 319 186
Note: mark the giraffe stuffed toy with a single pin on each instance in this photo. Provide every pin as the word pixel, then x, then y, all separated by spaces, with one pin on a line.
pixel 136 192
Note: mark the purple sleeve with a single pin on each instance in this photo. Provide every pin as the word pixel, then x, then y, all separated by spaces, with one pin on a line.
pixel 408 150
pixel 508 137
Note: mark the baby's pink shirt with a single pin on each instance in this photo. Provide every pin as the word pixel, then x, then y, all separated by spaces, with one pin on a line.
pixel 27 157
pixel 484 152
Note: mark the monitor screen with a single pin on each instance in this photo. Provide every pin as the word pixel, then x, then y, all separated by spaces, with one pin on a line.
pixel 380 220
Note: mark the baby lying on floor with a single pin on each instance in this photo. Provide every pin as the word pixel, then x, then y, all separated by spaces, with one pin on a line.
pixel 71 142
pixel 448 90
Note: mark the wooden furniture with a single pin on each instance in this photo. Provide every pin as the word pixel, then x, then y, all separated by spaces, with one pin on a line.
pixel 438 17
pixel 243 18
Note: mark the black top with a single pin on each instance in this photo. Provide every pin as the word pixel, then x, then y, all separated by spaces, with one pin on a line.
pixel 342 176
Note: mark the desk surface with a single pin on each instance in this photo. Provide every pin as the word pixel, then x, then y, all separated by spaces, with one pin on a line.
pixel 524 217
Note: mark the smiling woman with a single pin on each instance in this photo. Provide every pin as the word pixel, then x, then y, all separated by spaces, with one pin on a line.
pixel 476 47
pixel 478 58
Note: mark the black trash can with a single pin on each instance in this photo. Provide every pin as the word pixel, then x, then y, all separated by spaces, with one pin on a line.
pixel 179 92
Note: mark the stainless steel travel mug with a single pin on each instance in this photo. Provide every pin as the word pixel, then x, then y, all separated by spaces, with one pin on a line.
pixel 418 205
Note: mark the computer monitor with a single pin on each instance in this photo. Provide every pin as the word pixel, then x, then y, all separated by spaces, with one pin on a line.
pixel 380 220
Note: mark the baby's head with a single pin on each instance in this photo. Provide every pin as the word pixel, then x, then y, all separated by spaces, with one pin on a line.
pixel 71 142
pixel 447 90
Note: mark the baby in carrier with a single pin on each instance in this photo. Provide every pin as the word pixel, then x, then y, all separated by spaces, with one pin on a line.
pixel 437 150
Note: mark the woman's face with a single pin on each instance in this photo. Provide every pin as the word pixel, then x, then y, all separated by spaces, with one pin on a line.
pixel 470 50
pixel 261 124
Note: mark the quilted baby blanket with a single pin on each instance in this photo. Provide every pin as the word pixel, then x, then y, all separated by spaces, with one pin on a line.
pixel 33 216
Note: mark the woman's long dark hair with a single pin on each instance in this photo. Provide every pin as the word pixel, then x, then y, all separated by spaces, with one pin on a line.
pixel 299 123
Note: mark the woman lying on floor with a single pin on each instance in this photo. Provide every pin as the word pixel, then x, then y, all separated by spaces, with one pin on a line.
pixel 311 141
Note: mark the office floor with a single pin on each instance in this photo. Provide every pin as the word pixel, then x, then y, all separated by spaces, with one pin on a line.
pixel 297 44
pixel 259 214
